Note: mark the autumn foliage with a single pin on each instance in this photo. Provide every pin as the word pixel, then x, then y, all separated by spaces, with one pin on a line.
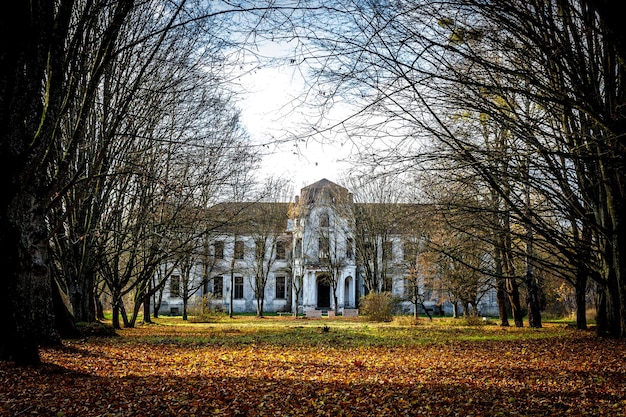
pixel 289 367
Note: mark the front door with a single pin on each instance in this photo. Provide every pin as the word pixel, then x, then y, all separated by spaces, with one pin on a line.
pixel 323 294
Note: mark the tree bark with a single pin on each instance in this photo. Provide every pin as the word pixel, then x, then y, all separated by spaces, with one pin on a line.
pixel 581 299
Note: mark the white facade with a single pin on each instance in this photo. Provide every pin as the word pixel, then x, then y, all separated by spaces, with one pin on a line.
pixel 315 240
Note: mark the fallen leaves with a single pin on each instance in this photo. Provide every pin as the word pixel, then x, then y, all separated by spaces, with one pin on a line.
pixel 204 373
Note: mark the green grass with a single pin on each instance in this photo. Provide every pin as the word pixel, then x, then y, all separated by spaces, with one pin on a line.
pixel 243 330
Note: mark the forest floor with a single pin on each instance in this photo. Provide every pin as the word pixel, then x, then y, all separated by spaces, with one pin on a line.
pixel 281 366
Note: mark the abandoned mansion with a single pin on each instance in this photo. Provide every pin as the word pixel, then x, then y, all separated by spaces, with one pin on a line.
pixel 323 251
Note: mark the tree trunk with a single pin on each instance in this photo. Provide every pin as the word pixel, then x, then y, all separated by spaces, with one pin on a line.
pixel 581 299
pixel 115 315
pixel 455 310
pixel 530 281
pixel 81 288
pixel 501 298
pixel 260 301
pixel 502 301
pixel 602 325
pixel 146 308
pixel 532 300
pixel 158 298
pixel 513 293
pixel 25 287
pixel 99 309
pixel 64 320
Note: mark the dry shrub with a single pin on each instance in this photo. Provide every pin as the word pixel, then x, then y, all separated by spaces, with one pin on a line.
pixel 378 306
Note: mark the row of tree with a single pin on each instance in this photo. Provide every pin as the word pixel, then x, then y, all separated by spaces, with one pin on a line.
pixel 512 113
pixel 115 129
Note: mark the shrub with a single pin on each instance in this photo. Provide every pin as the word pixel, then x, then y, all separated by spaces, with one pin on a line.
pixel 474 320
pixel 205 310
pixel 378 306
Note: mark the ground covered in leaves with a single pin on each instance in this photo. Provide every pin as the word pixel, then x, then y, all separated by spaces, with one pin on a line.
pixel 297 367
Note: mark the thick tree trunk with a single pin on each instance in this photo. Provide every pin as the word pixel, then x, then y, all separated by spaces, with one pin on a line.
pixel 64 320
pixel 455 309
pixel 115 316
pixel 617 207
pixel 601 313
pixel 532 300
pixel 296 296
pixel 81 293
pixel 25 286
pixel 512 289
pixel 581 299
pixel 501 298
pixel 146 309
pixel 99 308
pixel 158 298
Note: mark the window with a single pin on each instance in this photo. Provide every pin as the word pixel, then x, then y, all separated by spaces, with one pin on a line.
pixel 175 286
pixel 218 287
pixel 387 251
pixel 238 295
pixel 218 250
pixel 239 249
pixel 324 220
pixel 387 283
pixel 298 251
pixel 281 253
pixel 323 248
pixel 280 288
pixel 410 251
pixel 259 249
pixel 349 248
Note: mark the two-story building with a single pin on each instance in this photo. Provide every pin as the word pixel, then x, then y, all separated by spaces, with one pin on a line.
pixel 323 251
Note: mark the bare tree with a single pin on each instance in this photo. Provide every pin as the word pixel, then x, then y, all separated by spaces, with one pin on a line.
pixel 53 40
pixel 421 268
pixel 269 225
pixel 419 70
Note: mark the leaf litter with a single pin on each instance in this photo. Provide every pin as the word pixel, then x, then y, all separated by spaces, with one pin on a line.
pixel 194 373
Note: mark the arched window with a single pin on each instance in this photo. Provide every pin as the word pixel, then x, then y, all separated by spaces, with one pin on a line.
pixel 324 220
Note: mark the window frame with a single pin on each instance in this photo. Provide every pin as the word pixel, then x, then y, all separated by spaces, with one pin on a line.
pixel 280 286
pixel 238 288
pixel 218 279
pixel 239 249
pixel 281 250
pixel 324 219
pixel 218 249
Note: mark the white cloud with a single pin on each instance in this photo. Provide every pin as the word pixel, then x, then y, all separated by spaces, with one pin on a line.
pixel 273 115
